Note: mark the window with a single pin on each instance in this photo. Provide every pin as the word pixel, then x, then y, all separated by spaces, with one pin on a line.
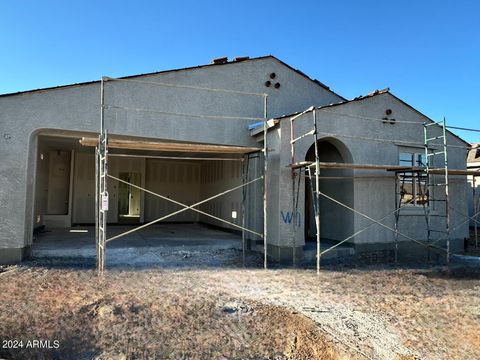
pixel 412 159
pixel 413 189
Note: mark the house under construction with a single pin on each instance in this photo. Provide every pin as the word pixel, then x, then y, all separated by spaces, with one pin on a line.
pixel 251 146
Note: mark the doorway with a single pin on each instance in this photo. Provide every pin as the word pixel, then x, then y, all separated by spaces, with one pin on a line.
pixel 58 182
pixel 336 222
pixel 129 198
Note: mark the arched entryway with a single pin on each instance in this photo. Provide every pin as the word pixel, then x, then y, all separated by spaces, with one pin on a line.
pixel 336 222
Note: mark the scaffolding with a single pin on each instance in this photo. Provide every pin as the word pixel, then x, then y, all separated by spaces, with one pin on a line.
pixel 424 175
pixel 296 173
pixel 476 210
pixel 426 189
pixel 103 143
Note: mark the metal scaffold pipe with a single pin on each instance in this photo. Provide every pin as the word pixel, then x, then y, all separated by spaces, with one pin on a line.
pixel 293 174
pixel 447 196
pixel 317 190
pixel 475 209
pixel 265 184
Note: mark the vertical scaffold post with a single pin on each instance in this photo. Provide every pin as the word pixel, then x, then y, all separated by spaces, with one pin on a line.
pixel 424 193
pixel 431 181
pixel 96 209
pixel 398 203
pixel 317 189
pixel 294 221
pixel 447 205
pixel 265 182
pixel 102 194
pixel 244 195
pixel 475 210
pixel 427 190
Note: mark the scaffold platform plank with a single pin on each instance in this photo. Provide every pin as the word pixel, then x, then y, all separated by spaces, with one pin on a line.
pixel 396 168
pixel 172 146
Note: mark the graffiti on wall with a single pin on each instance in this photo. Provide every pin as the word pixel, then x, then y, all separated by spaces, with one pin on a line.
pixel 289 218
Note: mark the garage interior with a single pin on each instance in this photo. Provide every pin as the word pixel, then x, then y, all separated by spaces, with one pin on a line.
pixel 65 197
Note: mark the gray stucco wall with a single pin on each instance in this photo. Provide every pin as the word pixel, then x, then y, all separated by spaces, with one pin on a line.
pixel 352 128
pixel 76 108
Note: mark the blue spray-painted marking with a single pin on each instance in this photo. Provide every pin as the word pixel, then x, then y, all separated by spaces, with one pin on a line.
pixel 287 217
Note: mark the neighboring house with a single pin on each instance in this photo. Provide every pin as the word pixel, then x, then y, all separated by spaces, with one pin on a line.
pixel 47 177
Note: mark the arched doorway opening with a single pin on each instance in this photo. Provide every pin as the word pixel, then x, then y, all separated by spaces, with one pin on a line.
pixel 336 222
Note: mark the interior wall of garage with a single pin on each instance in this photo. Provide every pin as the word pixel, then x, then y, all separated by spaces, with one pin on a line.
pixel 182 180
pixel 84 189
pixel 179 181
pixel 84 186
pixel 53 197
pixel 219 176
pixel 216 177
pixel 41 185
pixel 58 182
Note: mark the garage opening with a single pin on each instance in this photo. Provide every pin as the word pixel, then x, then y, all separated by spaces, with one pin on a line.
pixel 66 173
pixel 336 222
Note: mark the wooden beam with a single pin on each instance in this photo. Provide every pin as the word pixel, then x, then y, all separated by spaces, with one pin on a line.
pixel 397 168
pixel 171 146
pixel 455 172
pixel 334 165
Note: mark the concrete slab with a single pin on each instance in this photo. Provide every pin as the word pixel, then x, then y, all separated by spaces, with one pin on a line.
pixel 159 245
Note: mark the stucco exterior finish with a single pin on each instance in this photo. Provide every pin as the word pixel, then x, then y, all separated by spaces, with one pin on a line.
pixel 356 129
pixel 75 110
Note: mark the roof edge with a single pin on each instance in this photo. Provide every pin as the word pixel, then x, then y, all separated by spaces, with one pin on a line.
pixel 176 70
pixel 425 116
pixel 301 73
pixel 370 95
pixel 358 98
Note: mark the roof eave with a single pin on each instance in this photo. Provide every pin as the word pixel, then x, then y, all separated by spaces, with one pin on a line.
pixel 370 95
pixel 318 83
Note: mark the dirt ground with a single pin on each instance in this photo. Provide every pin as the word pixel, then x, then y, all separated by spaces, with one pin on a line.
pixel 234 313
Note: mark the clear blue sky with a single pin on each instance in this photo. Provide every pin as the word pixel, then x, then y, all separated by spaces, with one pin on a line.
pixel 427 52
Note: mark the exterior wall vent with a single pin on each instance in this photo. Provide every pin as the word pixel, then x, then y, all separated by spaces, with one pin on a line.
pixel 388 119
